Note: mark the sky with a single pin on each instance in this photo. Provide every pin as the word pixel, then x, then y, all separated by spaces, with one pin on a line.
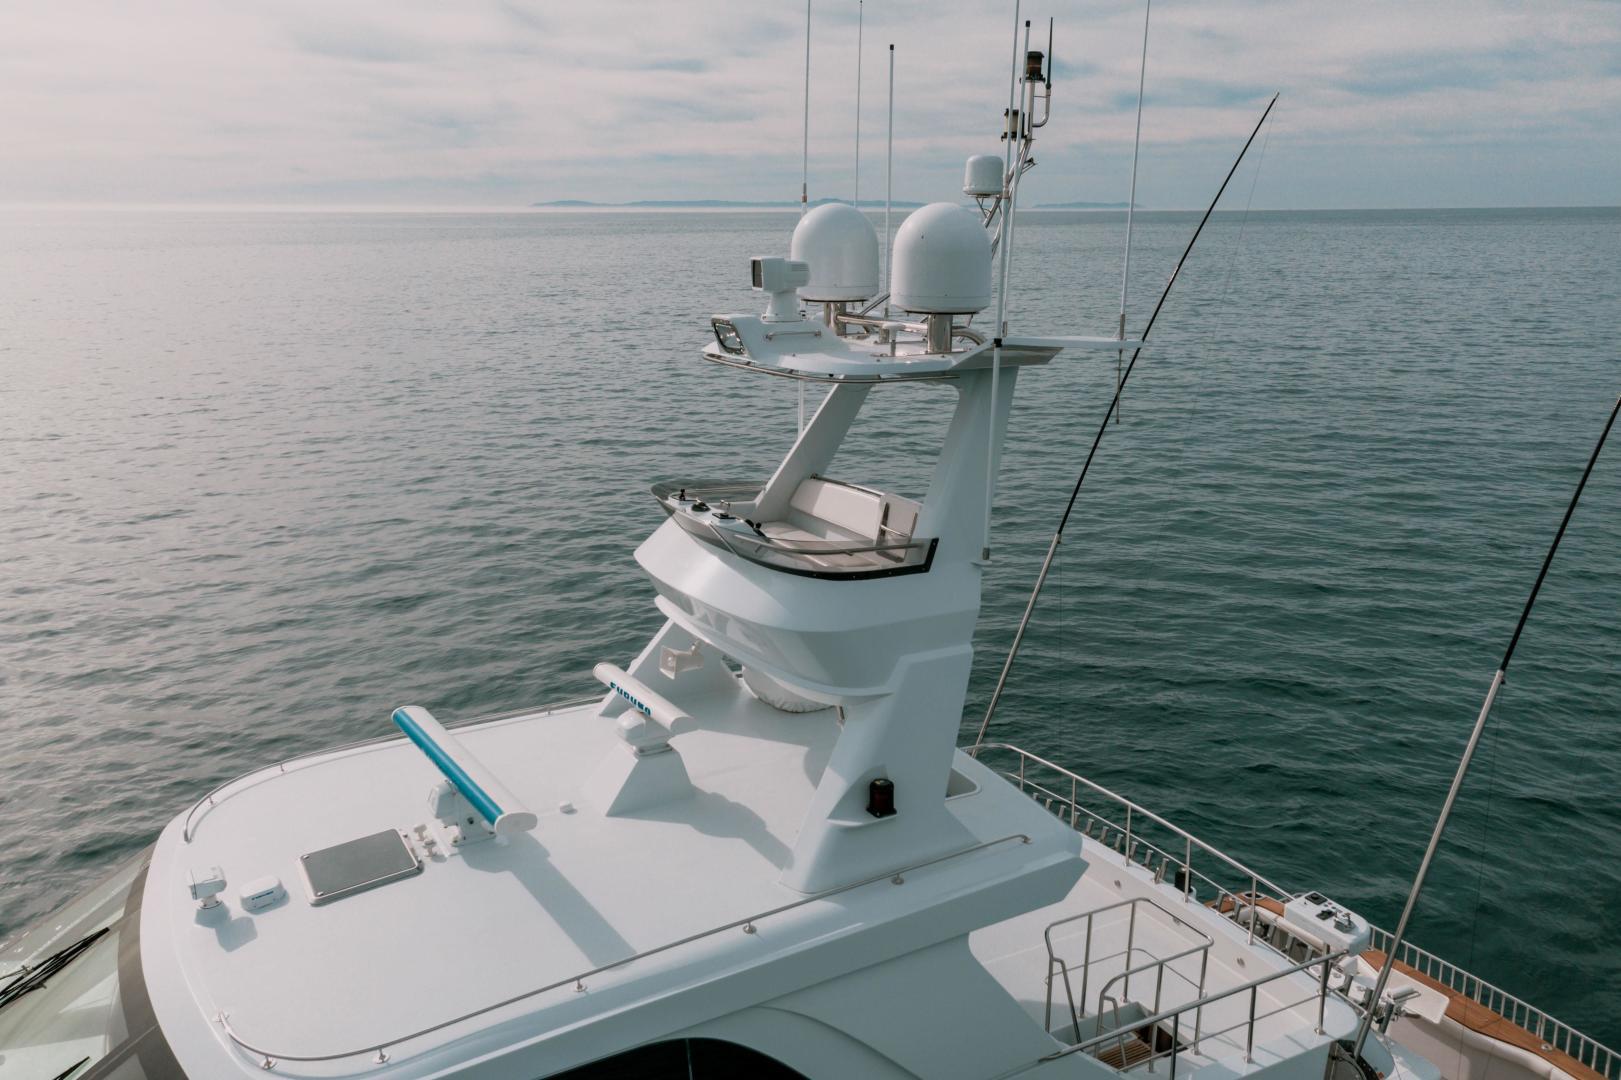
pixel 503 103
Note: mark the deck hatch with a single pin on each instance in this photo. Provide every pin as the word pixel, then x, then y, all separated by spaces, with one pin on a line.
pixel 356 865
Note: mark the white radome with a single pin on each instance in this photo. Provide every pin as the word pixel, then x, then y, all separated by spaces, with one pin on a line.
pixel 942 262
pixel 842 248
pixel 982 176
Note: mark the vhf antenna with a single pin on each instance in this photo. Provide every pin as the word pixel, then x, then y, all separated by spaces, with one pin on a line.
pixel 889 182
pixel 1131 205
pixel 856 194
pixel 804 148
pixel 804 174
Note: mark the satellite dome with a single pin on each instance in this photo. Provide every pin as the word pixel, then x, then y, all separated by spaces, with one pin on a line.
pixel 942 262
pixel 842 248
pixel 982 176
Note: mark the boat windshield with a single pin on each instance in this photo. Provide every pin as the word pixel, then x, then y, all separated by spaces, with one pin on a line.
pixel 72 998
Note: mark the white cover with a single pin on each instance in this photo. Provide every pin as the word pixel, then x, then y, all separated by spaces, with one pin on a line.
pixel 942 262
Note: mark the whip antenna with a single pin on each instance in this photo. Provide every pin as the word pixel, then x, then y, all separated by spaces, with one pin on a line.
pixel 1058 536
pixel 1131 204
pixel 1469 749
pixel 804 146
pixel 889 180
pixel 860 12
pixel 804 170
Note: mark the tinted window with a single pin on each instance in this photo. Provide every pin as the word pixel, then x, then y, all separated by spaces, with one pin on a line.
pixel 684 1059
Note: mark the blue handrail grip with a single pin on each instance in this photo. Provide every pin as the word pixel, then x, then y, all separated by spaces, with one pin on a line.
pixel 458 777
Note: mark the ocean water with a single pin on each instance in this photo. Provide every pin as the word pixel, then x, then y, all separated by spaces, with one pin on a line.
pixel 264 476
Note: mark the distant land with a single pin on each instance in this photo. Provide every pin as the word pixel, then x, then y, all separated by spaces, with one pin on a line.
pixel 736 204
pixel 705 204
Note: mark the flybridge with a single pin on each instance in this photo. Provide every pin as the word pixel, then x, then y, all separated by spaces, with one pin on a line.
pixel 831 594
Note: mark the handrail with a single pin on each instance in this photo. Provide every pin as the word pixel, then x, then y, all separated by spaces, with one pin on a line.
pixel 789 546
pixel 1250 1021
pixel 1251 987
pixel 207 802
pixel 1133 810
pixel 1557 1034
pixel 1086 958
pixel 745 364
pixel 1159 988
pixel 895 877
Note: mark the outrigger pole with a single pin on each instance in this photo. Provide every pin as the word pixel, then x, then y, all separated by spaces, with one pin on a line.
pixel 1058 536
pixel 1369 1013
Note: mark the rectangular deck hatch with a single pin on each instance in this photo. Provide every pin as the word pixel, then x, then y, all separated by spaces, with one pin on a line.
pixel 356 865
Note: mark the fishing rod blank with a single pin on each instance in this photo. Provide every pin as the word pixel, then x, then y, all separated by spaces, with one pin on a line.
pixel 1058 536
pixel 1469 749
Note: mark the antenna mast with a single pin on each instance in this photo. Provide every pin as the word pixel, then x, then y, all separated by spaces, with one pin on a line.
pixel 1008 188
pixel 1469 750
pixel 1131 205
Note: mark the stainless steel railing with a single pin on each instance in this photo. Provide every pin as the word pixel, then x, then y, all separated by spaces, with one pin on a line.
pixel 1057 964
pixel 1121 827
pixel 1554 1033
pixel 379 1051
pixel 1253 988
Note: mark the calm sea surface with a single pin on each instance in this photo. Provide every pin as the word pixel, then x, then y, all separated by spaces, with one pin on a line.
pixel 265 476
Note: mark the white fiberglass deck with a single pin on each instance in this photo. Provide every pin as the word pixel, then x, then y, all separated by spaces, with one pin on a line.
pixel 499 919
pixel 1166 925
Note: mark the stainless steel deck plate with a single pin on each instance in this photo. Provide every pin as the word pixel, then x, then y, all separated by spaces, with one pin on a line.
pixel 357 865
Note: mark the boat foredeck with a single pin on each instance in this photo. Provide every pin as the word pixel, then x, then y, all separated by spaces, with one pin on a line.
pixel 514 919
pixel 492 919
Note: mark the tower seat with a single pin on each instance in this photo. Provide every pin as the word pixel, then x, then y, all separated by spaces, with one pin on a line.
pixel 854 512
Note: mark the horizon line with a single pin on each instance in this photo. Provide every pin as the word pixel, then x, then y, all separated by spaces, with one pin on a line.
pixel 741 206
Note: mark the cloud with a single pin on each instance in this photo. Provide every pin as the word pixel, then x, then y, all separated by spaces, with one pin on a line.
pixel 504 103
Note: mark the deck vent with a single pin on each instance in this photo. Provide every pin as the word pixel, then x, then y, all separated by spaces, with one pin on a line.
pixel 357 865
pixel 881 797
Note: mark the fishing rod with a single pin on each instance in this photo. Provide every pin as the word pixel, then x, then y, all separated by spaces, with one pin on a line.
pixel 1469 749
pixel 1058 536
